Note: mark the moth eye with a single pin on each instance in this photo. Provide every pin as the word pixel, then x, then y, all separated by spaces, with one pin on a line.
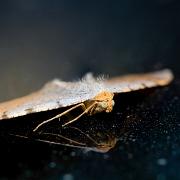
pixel 104 104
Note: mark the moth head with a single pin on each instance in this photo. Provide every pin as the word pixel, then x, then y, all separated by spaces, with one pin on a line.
pixel 104 102
pixel 106 144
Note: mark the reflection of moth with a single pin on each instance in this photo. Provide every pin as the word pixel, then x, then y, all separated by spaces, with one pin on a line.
pixel 88 143
pixel 91 94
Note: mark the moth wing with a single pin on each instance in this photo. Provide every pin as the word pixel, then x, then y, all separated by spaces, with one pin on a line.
pixel 56 94
pixel 53 95
pixel 135 82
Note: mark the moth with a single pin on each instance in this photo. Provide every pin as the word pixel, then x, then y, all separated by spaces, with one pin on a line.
pixel 93 95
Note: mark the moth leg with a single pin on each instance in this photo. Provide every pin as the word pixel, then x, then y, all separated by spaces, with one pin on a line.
pixel 65 138
pixel 73 143
pixel 85 111
pixel 59 115
pixel 89 137
pixel 103 147
pixel 62 144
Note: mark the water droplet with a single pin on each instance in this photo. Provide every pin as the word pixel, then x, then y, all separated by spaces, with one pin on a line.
pixel 52 164
pixel 68 177
pixel 162 162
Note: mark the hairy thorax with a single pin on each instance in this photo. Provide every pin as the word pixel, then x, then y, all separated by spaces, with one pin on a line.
pixel 103 102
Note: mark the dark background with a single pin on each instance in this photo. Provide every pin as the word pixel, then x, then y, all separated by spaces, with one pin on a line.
pixel 42 40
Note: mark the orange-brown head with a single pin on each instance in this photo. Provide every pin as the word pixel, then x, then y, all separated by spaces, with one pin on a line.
pixel 104 102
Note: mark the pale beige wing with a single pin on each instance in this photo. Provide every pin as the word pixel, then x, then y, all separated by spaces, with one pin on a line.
pixel 58 93
pixel 53 95
pixel 135 82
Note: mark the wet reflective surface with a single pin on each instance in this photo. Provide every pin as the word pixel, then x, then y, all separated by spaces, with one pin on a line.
pixel 145 125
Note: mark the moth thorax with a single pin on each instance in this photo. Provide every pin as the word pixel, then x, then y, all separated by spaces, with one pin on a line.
pixel 103 102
